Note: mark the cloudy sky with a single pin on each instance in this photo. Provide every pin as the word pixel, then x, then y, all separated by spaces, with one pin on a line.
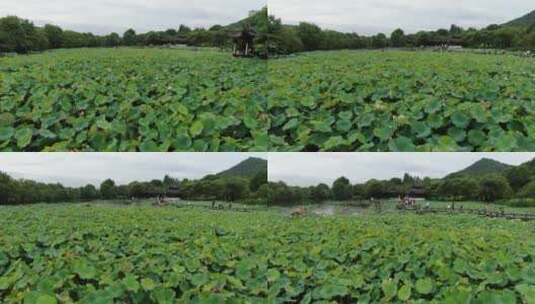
pixel 373 16
pixel 104 16
pixel 304 169
pixel 76 169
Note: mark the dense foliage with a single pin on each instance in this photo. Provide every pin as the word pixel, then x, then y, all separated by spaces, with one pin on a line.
pixel 401 101
pixel 211 187
pixel 511 185
pixel 163 255
pixel 21 36
pixel 132 100
pixel 306 36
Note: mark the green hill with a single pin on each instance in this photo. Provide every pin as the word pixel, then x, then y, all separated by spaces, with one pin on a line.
pixel 482 167
pixel 524 21
pixel 247 168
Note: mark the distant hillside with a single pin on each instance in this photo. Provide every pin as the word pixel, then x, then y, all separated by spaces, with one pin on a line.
pixel 482 167
pixel 524 21
pixel 247 168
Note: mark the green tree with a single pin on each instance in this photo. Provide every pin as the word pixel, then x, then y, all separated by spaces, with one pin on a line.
pixel 518 177
pixel 112 40
pixel 375 189
pixel 258 180
pixel 89 192
pixel 55 35
pixel 235 189
pixel 310 35
pixel 379 41
pixel 528 191
pixel 16 34
pixel 130 37
pixel 320 193
pixel 108 189
pixel 398 38
pixel 342 189
pixel 494 187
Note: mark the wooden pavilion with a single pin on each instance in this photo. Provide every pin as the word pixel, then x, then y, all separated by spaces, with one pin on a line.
pixel 243 42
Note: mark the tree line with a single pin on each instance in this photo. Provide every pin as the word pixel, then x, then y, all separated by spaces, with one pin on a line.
pixel 273 37
pixel 286 39
pixel 19 191
pixel 22 36
pixel 515 183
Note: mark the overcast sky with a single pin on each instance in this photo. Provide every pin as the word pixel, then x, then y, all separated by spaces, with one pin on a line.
pixel 105 16
pixel 373 16
pixel 305 169
pixel 76 169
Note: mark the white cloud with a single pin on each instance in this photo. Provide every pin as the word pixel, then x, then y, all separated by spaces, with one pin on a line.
pixel 77 169
pixel 312 168
pixel 373 16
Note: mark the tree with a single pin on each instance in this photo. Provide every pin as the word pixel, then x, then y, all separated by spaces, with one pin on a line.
pixel 374 189
pixel 258 180
pixel 379 41
pixel 310 35
pixel 183 29
pixel 6 189
pixel 16 34
pixel 129 37
pixel 398 38
pixel 320 193
pixel 108 189
pixel 89 192
pixel 494 187
pixel 112 40
pixel 342 189
pixel 234 189
pixel 528 191
pixel 518 177
pixel 455 30
pixel 55 35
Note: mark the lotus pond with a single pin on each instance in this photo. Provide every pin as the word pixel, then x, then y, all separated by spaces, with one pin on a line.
pixel 131 99
pixel 105 254
pixel 401 101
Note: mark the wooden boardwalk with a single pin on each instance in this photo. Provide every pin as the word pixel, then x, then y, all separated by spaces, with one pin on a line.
pixel 479 212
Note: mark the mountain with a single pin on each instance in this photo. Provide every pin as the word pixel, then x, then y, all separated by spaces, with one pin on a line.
pixel 247 168
pixel 524 21
pixel 482 167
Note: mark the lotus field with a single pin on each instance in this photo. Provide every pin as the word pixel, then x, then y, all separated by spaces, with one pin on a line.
pixel 103 254
pixel 132 100
pixel 402 101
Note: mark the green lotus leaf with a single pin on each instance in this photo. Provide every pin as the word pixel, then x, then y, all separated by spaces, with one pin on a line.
pixel 421 129
pixel 390 289
pixel 148 284
pixel 196 128
pixel 6 133
pixel 84 270
pixel 424 286
pixel 23 137
pixel 404 293
pixel 329 291
pixel 460 120
pixel 344 125
pixel 527 292
pixel 401 144
pixel 163 295
pixel 291 124
pixel 458 134
pixel 131 284
pixel 384 133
